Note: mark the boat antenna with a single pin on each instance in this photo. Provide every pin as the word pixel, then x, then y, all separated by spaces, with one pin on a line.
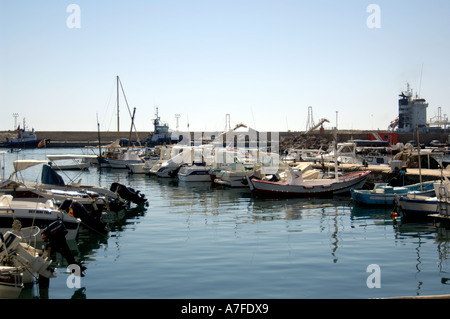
pixel 253 116
pixel 99 146
pixel 420 83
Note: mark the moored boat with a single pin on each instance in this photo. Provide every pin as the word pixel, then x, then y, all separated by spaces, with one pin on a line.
pixel 24 139
pixel 142 168
pixel 11 282
pixel 34 214
pixel 384 194
pixel 296 186
pixel 233 178
pixel 194 173
pixel 414 206
pixel 120 157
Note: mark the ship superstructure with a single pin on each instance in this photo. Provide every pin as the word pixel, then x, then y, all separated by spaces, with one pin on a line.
pixel 412 112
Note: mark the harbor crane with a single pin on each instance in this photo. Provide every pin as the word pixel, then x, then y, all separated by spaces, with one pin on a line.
pixel 317 125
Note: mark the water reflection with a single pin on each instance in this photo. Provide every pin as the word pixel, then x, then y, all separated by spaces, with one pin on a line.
pixel 230 225
pixel 443 250
pixel 425 232
pixel 84 248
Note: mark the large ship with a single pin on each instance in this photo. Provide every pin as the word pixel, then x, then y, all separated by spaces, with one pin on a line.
pixel 24 139
pixel 161 134
pixel 412 112
pixel 412 115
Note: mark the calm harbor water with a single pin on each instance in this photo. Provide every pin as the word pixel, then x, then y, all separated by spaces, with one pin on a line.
pixel 196 241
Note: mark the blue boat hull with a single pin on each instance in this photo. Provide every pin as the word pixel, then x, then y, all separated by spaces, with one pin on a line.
pixel 371 197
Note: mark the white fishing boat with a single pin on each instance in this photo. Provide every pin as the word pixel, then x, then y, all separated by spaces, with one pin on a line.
pixel 234 176
pixel 143 168
pixel 11 282
pixel 296 186
pixel 345 153
pixel 121 157
pixel 37 214
pixel 169 168
pixel 231 166
pixel 165 154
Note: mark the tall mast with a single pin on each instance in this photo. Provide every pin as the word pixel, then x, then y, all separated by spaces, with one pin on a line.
pixel 118 125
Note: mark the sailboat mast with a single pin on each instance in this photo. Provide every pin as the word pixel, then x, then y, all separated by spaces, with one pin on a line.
pixel 420 159
pixel 118 122
pixel 336 177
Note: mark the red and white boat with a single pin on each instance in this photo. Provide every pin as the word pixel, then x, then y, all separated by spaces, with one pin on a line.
pixel 295 186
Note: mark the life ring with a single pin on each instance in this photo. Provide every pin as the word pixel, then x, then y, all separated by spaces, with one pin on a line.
pixel 111 149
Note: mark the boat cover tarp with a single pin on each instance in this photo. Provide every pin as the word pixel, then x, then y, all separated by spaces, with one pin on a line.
pixel 49 176
pixel 69 156
pixel 20 165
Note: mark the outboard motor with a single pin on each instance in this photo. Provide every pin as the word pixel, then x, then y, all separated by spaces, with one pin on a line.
pixel 13 253
pixel 77 210
pixel 55 235
pixel 129 194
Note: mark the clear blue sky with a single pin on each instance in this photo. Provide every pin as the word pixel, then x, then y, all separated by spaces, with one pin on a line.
pixel 262 62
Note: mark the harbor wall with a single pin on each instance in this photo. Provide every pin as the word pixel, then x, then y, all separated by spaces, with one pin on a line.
pixel 90 138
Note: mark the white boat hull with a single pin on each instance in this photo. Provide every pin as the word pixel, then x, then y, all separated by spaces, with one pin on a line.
pixel 232 178
pixel 56 193
pixel 313 187
pixel 120 164
pixel 194 174
pixel 166 171
pixel 418 206
pixel 138 168
pixel 11 282
pixel 34 214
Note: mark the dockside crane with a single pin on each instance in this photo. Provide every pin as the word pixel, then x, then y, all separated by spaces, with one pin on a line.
pixel 317 125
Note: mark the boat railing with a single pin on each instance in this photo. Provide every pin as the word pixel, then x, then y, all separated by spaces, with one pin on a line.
pixel 28 234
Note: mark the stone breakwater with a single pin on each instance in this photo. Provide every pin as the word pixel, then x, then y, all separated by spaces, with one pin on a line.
pixel 304 141
pixel 313 140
